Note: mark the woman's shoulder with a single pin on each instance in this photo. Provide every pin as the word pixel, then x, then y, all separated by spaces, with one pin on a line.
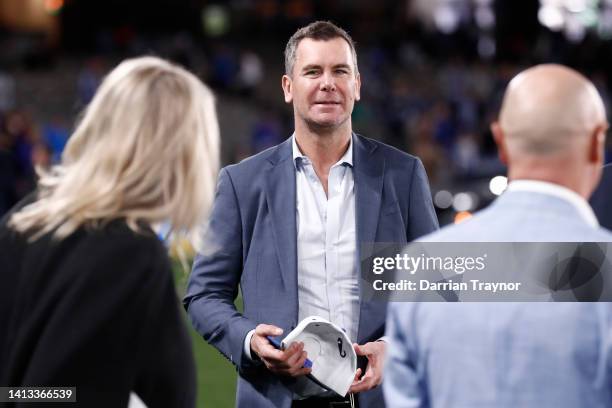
pixel 116 240
pixel 113 259
pixel 118 231
pixel 106 234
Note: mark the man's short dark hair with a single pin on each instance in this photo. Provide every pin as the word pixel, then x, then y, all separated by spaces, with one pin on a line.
pixel 319 31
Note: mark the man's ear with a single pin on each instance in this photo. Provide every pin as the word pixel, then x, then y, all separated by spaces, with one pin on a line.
pixel 500 141
pixel 597 141
pixel 286 84
pixel 358 86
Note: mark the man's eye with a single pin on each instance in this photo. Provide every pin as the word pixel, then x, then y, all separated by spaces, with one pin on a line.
pixel 311 72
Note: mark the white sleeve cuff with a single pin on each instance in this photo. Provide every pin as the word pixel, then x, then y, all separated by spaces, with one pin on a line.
pixel 247 344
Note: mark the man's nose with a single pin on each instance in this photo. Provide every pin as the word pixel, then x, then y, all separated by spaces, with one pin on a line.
pixel 327 82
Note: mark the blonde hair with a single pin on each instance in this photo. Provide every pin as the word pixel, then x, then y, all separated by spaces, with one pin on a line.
pixel 146 150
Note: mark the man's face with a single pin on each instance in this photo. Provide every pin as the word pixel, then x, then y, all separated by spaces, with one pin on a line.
pixel 323 86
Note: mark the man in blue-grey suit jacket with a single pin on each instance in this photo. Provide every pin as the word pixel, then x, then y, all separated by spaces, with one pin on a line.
pixel 551 134
pixel 287 225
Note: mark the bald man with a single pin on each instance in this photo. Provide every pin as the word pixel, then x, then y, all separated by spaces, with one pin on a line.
pixel 550 133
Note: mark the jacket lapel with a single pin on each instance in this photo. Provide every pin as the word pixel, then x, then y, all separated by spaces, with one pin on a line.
pixel 281 196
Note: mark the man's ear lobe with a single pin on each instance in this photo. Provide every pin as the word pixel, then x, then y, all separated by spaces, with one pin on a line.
pixel 287 91
pixel 500 141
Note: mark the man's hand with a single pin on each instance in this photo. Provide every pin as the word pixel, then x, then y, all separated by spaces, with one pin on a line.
pixel 284 362
pixel 375 352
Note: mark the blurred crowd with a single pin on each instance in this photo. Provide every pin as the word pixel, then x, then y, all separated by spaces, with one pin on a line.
pixel 25 145
pixel 428 95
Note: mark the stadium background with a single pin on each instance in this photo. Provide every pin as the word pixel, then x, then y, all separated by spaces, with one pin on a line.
pixel 433 73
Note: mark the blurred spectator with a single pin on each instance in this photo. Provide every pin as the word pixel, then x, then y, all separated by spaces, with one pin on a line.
pixel 267 132
pixel 224 67
pixel 251 72
pixel 445 130
pixel 466 152
pixel 425 147
pixel 8 177
pixel 55 135
pixel 20 139
pixel 7 92
pixel 89 79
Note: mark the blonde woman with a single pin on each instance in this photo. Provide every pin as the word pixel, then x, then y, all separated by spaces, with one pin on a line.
pixel 86 291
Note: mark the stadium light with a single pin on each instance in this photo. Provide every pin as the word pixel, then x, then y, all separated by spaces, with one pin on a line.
pixel 498 184
pixel 443 199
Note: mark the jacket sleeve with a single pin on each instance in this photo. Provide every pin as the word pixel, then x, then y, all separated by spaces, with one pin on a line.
pixel 214 280
pixel 423 219
pixel 403 386
pixel 166 366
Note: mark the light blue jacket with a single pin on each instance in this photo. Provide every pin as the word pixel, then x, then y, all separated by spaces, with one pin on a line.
pixel 504 355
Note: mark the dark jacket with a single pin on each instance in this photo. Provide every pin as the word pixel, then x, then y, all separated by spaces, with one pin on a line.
pixel 97 311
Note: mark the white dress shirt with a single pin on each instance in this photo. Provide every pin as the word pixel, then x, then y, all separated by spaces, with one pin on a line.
pixel 328 281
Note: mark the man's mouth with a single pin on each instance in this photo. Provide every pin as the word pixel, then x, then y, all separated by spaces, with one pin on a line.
pixel 327 103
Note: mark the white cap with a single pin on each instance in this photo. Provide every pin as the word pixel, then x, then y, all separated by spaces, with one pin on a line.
pixel 330 351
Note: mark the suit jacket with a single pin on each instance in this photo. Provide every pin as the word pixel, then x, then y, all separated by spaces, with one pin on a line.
pixel 251 241
pixel 97 310
pixel 504 354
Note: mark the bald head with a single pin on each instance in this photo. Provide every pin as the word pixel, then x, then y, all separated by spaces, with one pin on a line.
pixel 548 109
pixel 552 128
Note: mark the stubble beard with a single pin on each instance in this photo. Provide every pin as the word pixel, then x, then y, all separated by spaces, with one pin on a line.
pixel 324 128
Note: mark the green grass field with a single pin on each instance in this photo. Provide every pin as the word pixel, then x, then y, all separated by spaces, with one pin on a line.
pixel 216 375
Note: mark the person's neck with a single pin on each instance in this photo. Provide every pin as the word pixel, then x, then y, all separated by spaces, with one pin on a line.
pixel 566 177
pixel 324 149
